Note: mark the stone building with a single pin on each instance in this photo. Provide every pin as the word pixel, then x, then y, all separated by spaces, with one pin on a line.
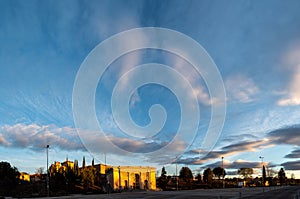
pixel 24 176
pixel 115 177
pixel 132 177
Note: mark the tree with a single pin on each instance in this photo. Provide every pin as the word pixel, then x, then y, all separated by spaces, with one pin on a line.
pixel 219 172
pixel 40 171
pixel 162 181
pixel 163 172
pixel 281 176
pixel 9 177
pixel 186 174
pixel 264 176
pixel 245 172
pixel 186 178
pixel 198 177
pixel 88 176
pixel 207 175
pixel 292 176
pixel 83 162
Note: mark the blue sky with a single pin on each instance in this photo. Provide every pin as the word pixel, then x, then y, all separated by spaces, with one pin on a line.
pixel 255 45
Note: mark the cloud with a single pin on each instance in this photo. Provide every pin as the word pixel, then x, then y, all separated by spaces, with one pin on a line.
pixel 194 79
pixel 291 165
pixel 36 137
pixel 288 135
pixel 135 98
pixel 226 151
pixel 241 89
pixel 241 137
pixel 293 154
pixel 237 164
pixel 292 94
pixel 283 136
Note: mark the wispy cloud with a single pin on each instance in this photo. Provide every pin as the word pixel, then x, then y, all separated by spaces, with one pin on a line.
pixel 284 136
pixel 292 93
pixel 241 89
pixel 227 151
pixel 194 79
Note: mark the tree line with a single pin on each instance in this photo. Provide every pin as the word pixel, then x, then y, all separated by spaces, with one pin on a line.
pixel 215 178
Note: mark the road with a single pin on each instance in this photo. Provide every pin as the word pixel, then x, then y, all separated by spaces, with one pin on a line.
pixel 284 193
pixel 232 193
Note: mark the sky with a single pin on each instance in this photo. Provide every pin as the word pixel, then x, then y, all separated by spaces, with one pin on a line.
pixel 254 45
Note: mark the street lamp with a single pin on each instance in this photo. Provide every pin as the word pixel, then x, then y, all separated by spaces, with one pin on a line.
pixel 262 169
pixel 222 161
pixel 262 160
pixel 48 192
pixel 176 174
pixel 223 172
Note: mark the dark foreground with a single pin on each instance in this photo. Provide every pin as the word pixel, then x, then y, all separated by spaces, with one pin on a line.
pixel 289 192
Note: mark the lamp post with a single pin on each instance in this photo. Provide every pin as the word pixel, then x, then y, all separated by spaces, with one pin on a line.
pixel 223 172
pixel 176 174
pixel 262 160
pixel 222 161
pixel 262 169
pixel 48 192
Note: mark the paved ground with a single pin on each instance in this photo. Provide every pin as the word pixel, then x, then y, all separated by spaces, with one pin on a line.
pixel 246 193
pixel 284 193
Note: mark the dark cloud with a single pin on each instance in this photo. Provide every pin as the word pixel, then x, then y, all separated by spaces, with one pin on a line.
pixel 226 151
pixel 291 165
pixel 289 136
pixel 293 154
pixel 236 164
pixel 283 136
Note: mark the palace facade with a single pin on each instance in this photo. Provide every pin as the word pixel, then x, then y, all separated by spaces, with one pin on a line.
pixel 115 177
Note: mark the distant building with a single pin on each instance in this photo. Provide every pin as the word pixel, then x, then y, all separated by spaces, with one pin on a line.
pixel 115 177
pixel 67 164
pixel 55 167
pixel 132 177
pixel 24 176
pixel 35 178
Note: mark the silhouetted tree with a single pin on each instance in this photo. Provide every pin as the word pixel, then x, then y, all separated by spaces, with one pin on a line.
pixel 186 174
pixel 292 176
pixel 198 177
pixel 186 177
pixel 264 176
pixel 9 177
pixel 162 181
pixel 163 172
pixel 88 176
pixel 219 172
pixel 57 179
pixel 245 172
pixel 83 162
pixel 281 176
pixel 207 176
pixel 40 171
